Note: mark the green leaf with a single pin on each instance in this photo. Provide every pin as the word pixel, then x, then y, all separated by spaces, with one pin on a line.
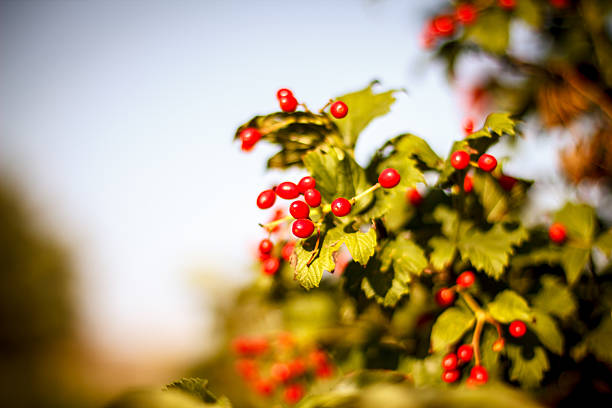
pixel 492 197
pixel 529 372
pixel 490 251
pixel 411 146
pixel 364 106
pixel 309 276
pixel 574 261
pixel 361 245
pixel 555 298
pixel 337 174
pixel 600 339
pixel 422 371
pixel 530 12
pixel 490 31
pixel 509 306
pixel 490 358
pixel 450 326
pixel 579 220
pixel 442 252
pixel 498 123
pixel 547 331
pixel 198 388
pixel 604 242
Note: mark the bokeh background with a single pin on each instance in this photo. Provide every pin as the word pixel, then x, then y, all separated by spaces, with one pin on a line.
pixel 127 212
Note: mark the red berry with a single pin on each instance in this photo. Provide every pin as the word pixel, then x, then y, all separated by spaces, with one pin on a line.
pixel 283 93
pixel 341 207
pixel 302 228
pixel 507 4
pixel 266 246
pixel 288 250
pixel 487 162
pixel 247 368
pixel 466 14
pixel 414 196
pixel 317 357
pixel 287 190
pixel 297 367
pixel 559 3
pixel 465 352
pixel 266 199
pixel 445 297
pixel 468 183
pixel 444 25
pixel 389 178
pixel 517 328
pixel 299 209
pixel 557 233
pixel 249 137
pixel 312 197
pixel 280 372
pixel 270 266
pixel 507 182
pixel 293 393
pixel 338 109
pixel 324 370
pixel 466 279
pixel 479 374
pixel 306 183
pixel 460 159
pixel 450 376
pixel 264 387
pixel 468 126
pixel 499 344
pixel 263 257
pixel 288 103
pixel 449 362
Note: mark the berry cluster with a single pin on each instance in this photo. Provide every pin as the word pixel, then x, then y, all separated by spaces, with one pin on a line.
pixel 461 160
pixel 444 25
pixel 280 366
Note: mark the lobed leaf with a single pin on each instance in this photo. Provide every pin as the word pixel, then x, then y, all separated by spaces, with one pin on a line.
pixel 555 298
pixel 547 331
pixel 450 326
pixel 508 306
pixel 529 372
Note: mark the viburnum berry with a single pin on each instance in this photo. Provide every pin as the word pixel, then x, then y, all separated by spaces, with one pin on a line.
pixel 297 367
pixel 288 250
pixel 449 362
pixel 250 345
pixel 280 372
pixel 299 209
pixel 312 197
pixel 460 159
pixel 324 370
pixel 283 93
pixel 389 178
pixel 468 183
pixel 264 387
pixel 338 109
pixel 507 182
pixel 270 266
pixel 266 199
pixel 288 103
pixel 466 14
pixel 341 207
pixel 249 137
pixel 499 344
pixel 317 357
pixel 465 352
pixel 445 297
pixel 517 328
pixel 486 162
pixel 468 125
pixel 247 368
pixel 263 257
pixel 450 376
pixel 306 183
pixel 466 279
pixel 479 374
pixel 507 4
pixel 557 233
pixel 278 214
pixel 265 246
pixel 302 228
pixel 293 393
pixel 444 25
pixel 414 197
pixel 287 190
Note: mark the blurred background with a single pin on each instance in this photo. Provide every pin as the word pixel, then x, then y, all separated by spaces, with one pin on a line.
pixel 128 215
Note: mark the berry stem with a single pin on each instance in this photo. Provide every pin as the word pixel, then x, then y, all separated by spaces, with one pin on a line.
pixel 270 226
pixel 314 253
pixel 496 324
pixel 364 193
pixel 472 304
pixel 325 106
pixel 480 321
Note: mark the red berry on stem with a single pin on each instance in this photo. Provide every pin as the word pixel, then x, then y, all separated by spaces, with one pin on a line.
pixel 507 4
pixel 466 279
pixel 265 246
pixel 414 196
pixel 444 25
pixel 249 137
pixel 264 387
pixel 499 344
pixel 280 372
pixel 247 368
pixel 283 93
pixel 324 370
pixel 468 183
pixel 306 183
pixel 479 374
pixel 517 328
pixel 557 233
pixel 341 207
pixel 389 178
pixel 445 297
pixel 449 362
pixel 288 250
pixel 293 393
pixel 299 209
pixel 270 266
pixel 266 199
pixel 487 162
pixel 465 352
pixel 450 376
pixel 288 103
pixel 302 228
pixel 312 197
pixel 287 190
pixel 338 109
pixel 460 159
pixel 466 14
pixel 317 357
pixel 297 367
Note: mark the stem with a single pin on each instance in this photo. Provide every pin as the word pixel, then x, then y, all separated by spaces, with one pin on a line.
pixel 496 324
pixel 480 320
pixel 472 304
pixel 364 193
pixel 325 106
pixel 314 253
pixel 270 226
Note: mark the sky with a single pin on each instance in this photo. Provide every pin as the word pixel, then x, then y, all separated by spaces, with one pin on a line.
pixel 117 120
